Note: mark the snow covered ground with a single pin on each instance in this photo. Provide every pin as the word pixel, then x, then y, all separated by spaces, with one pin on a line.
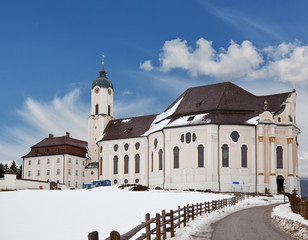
pixel 72 214
pixel 293 223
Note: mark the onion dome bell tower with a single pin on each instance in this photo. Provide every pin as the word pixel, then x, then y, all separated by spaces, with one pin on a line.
pixel 101 111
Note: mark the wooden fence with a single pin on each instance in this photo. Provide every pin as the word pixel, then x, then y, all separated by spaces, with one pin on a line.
pixel 299 205
pixel 167 222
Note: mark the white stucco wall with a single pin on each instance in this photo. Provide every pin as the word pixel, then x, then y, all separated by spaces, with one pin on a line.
pixel 9 182
pixel 58 168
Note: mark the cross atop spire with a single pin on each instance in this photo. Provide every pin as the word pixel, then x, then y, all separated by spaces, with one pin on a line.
pixel 103 57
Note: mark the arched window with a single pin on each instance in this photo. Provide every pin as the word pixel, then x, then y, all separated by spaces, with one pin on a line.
pixel 244 156
pixel 279 157
pixel 137 163
pixel 96 109
pixel 101 166
pixel 152 162
pixel 108 110
pixel 176 156
pixel 160 159
pixel 115 164
pixel 126 162
pixel 225 155
pixel 200 156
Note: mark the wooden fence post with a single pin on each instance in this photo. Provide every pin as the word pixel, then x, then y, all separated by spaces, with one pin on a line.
pixel 158 237
pixel 163 220
pixel 193 211
pixel 172 223
pixel 93 235
pixel 184 216
pixel 179 215
pixel 148 228
pixel 200 209
pixel 114 235
pixel 187 210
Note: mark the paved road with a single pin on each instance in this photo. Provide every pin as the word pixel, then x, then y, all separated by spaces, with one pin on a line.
pixel 252 223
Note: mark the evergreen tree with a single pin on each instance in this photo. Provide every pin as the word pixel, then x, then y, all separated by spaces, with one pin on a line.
pixel 1 170
pixel 19 171
pixel 6 168
pixel 13 166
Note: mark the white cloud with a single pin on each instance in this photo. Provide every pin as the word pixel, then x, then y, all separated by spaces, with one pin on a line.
pixel 146 65
pixel 127 92
pixel 286 62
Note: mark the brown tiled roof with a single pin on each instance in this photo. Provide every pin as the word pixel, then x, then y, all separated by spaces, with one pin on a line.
pixel 58 141
pixel 128 127
pixel 224 103
pixel 10 171
pixel 224 97
pixel 57 146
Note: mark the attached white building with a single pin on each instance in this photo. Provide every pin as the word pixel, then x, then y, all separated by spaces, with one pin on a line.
pixel 218 137
pixel 58 159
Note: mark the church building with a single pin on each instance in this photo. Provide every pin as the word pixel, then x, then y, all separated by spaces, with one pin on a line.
pixel 216 137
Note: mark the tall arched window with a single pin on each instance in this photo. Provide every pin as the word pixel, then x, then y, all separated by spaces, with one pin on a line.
pixel 108 110
pixel 152 162
pixel 101 166
pixel 96 109
pixel 137 163
pixel 225 155
pixel 244 156
pixel 115 164
pixel 176 157
pixel 279 155
pixel 126 162
pixel 200 156
pixel 160 159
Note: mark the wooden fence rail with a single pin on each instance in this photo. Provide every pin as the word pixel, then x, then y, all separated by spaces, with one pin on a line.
pixel 167 222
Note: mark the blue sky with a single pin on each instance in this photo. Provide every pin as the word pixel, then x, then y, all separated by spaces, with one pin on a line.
pixel 50 54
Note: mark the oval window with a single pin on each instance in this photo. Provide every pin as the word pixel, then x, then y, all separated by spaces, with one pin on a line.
pixel 235 136
pixel 115 147
pixel 126 146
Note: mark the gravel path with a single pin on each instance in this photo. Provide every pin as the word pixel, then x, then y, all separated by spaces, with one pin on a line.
pixel 252 223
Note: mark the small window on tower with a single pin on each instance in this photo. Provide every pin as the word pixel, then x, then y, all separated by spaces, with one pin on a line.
pixel 96 109
pixel 108 110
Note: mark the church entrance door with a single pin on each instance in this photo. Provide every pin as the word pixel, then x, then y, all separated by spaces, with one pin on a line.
pixel 280 180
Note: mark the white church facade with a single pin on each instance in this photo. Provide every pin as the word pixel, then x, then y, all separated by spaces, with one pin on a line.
pixel 216 137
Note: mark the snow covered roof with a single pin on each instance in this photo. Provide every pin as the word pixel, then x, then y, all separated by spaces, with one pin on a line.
pixel 222 103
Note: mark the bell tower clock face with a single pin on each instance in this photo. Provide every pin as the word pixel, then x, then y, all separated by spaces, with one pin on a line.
pixel 96 90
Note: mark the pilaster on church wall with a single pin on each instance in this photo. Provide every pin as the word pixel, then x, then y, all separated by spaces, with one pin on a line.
pixel 212 153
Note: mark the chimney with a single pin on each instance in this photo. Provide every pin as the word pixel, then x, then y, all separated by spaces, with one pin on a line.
pixel 50 135
pixel 67 134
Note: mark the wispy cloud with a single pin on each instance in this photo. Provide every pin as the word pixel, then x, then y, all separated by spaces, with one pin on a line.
pixel 38 118
pixel 256 29
pixel 134 107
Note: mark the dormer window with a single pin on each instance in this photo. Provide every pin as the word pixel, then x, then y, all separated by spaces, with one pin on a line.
pixel 191 118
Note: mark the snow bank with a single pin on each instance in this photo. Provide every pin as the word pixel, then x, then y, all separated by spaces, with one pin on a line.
pixel 290 222
pixel 202 227
pixel 73 214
